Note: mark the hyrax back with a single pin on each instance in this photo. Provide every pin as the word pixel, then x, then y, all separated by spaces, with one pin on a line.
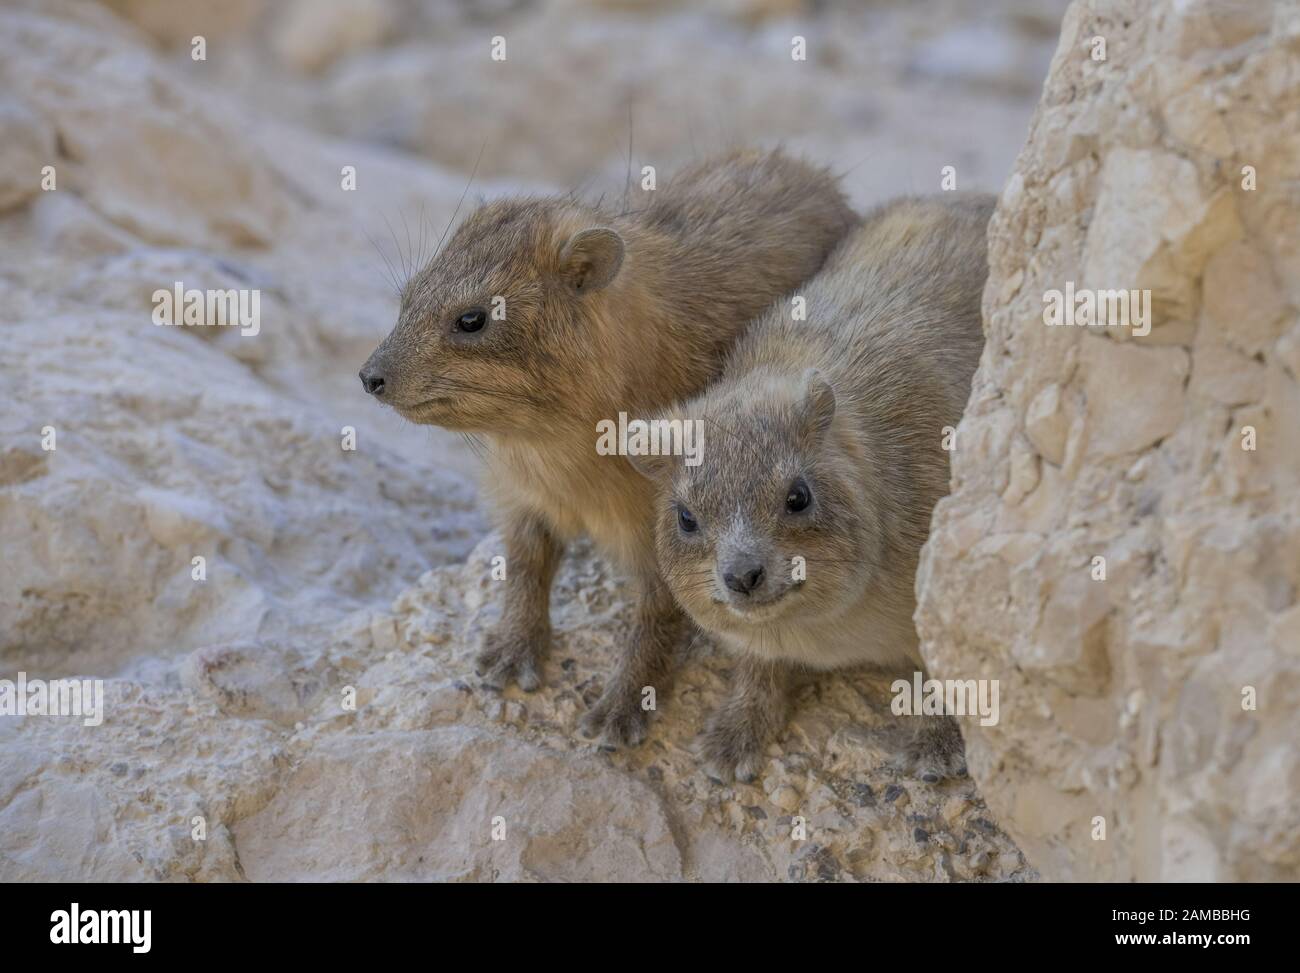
pixel 824 457
pixel 544 316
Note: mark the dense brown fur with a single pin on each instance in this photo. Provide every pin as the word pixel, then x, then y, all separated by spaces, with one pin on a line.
pixel 605 312
pixel 852 402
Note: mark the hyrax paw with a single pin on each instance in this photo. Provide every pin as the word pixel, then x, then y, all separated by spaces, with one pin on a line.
pixel 617 719
pixel 511 657
pixel 733 751
pixel 934 753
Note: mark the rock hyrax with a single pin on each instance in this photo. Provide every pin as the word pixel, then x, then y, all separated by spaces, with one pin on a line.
pixel 544 316
pixel 795 540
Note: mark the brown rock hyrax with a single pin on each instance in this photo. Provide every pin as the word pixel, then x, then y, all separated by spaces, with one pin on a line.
pixel 543 318
pixel 795 539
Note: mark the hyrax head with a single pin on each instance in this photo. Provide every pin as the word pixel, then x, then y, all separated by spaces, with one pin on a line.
pixel 771 525
pixel 495 333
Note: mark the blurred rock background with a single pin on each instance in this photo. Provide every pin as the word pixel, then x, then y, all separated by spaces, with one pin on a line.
pixel 893 90
pixel 328 567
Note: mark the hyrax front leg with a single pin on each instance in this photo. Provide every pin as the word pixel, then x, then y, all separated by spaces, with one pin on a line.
pixel 620 717
pixel 517 645
pixel 932 750
pixel 754 712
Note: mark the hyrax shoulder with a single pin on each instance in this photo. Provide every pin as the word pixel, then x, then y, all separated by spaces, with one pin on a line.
pixel 748 227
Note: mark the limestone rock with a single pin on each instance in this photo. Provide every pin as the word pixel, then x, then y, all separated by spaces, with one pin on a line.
pixel 26 147
pixel 131 450
pixel 473 806
pixel 313 34
pixel 1154 703
pixel 413 779
pixel 139 148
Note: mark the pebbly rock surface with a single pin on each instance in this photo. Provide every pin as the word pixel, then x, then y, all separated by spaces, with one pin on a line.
pixel 430 775
pixel 335 575
pixel 1149 701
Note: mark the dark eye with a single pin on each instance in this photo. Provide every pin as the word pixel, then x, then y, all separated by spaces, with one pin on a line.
pixel 472 321
pixel 686 521
pixel 798 498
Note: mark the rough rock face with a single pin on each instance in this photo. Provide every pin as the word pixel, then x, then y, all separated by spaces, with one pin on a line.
pixel 253 737
pixel 172 443
pixel 1160 701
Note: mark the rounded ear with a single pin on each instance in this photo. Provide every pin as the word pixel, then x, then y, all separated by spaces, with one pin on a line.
pixel 591 258
pixel 817 407
pixel 656 469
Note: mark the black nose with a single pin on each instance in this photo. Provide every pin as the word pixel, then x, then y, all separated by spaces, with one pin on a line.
pixel 372 382
pixel 745 579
